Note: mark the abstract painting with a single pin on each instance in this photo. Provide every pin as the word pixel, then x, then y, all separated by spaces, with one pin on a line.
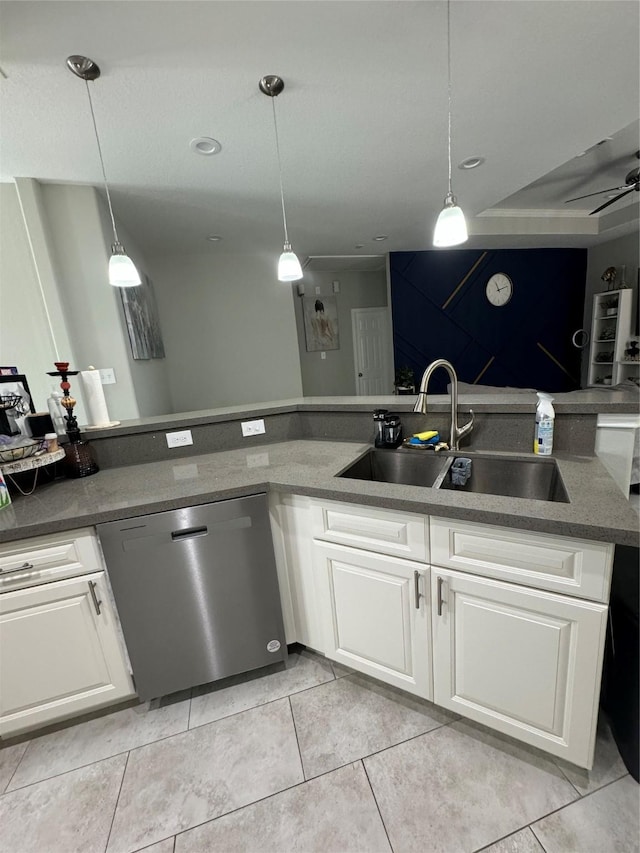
pixel 321 323
pixel 142 320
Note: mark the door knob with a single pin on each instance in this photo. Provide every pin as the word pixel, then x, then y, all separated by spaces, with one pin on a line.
pixel 359 374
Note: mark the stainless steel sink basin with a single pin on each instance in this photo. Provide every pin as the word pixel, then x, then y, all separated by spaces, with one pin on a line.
pixel 535 479
pixel 408 467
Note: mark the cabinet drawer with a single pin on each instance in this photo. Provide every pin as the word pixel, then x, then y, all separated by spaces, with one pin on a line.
pixel 48 558
pixel 556 563
pixel 400 534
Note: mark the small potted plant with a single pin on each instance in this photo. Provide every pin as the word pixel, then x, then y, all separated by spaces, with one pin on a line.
pixel 405 381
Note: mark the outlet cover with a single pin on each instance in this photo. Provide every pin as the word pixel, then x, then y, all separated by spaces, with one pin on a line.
pixel 179 439
pixel 253 427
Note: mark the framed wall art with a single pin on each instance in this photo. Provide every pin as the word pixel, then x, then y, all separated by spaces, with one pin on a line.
pixel 141 316
pixel 321 323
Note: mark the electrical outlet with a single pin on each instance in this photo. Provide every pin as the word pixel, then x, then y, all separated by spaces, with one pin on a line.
pixel 323 355
pixel 107 376
pixel 252 427
pixel 257 460
pixel 179 439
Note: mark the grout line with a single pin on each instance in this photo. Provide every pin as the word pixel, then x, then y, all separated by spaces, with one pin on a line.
pixel 295 731
pixel 175 841
pixel 508 835
pixel 568 780
pixel 375 800
pixel 115 809
pixel 190 704
pixel 537 839
pixel 15 769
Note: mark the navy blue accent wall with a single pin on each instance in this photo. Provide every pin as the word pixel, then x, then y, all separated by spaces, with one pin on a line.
pixel 526 343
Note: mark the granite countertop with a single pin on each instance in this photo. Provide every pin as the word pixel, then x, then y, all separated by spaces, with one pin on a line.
pixel 597 509
pixel 589 401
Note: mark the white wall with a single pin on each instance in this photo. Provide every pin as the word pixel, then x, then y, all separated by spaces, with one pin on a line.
pixel 26 340
pixel 80 256
pixel 335 374
pixel 229 329
pixel 624 250
pixel 150 375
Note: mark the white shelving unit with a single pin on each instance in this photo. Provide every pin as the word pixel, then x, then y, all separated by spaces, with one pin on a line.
pixel 610 335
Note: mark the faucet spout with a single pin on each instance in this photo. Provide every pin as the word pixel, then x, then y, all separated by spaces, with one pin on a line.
pixel 456 432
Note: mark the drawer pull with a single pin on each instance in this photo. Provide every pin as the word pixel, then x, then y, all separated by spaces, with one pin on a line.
pixel 23 568
pixel 439 585
pixel 96 602
pixel 416 588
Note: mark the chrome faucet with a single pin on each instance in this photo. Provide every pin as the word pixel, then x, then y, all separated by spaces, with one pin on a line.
pixel 421 403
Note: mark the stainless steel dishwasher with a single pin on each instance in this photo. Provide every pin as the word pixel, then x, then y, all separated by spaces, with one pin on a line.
pixel 197 593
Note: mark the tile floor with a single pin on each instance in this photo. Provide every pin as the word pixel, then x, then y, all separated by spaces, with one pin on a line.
pixel 311 758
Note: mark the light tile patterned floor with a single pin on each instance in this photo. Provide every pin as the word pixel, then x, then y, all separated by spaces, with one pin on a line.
pixel 314 758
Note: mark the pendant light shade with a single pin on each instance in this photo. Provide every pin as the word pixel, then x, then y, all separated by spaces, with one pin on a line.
pixel 289 268
pixel 451 227
pixel 122 270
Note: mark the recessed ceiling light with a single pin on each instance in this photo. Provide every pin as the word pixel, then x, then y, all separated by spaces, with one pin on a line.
pixel 380 238
pixel 205 145
pixel 471 163
pixel 214 238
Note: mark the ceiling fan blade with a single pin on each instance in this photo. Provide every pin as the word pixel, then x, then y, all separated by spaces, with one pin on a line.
pixel 610 190
pixel 611 201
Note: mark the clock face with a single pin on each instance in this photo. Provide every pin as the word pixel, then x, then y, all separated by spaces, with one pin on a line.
pixel 499 289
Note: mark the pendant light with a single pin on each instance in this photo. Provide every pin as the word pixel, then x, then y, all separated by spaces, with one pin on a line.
pixel 122 270
pixel 289 268
pixel 451 228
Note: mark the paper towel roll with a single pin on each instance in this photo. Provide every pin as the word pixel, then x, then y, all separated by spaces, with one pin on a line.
pixel 94 400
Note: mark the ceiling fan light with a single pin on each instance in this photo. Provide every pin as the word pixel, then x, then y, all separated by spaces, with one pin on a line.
pixel 451 227
pixel 289 268
pixel 122 270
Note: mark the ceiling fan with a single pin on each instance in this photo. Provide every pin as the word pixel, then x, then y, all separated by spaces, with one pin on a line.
pixel 631 183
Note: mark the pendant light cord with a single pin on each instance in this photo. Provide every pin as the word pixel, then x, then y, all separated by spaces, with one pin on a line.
pixel 104 174
pixel 449 84
pixel 284 215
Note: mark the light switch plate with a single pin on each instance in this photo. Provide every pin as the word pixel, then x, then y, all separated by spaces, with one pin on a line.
pixel 107 376
pixel 179 439
pixel 253 427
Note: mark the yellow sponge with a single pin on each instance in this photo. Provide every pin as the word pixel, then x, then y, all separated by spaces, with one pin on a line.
pixel 425 436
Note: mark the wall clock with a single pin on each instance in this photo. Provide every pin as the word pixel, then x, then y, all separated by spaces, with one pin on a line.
pixel 499 289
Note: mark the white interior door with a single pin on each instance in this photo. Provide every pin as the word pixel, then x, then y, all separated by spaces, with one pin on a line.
pixel 372 351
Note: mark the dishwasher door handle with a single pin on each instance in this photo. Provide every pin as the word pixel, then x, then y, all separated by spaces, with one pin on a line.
pixel 189 533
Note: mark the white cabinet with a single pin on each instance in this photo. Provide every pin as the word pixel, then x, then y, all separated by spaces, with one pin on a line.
pixel 610 335
pixel 291 528
pixel 375 614
pixel 59 656
pixel 523 661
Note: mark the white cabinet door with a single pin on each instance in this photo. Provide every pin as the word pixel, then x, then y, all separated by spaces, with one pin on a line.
pixel 291 528
pixel 374 610
pixel 522 661
pixel 58 656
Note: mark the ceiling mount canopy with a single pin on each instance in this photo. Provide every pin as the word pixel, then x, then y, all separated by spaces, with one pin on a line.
pixel 122 270
pixel 289 268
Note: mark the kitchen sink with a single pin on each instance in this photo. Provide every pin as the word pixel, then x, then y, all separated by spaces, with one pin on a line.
pixel 535 479
pixel 407 467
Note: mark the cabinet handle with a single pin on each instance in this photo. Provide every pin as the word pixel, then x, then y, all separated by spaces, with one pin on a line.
pixel 416 588
pixel 23 568
pixel 440 582
pixel 92 590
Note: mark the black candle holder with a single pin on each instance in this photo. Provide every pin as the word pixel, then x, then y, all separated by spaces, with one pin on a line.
pixel 79 461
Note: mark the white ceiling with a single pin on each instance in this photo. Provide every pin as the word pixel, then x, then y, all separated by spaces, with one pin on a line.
pixel 362 119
